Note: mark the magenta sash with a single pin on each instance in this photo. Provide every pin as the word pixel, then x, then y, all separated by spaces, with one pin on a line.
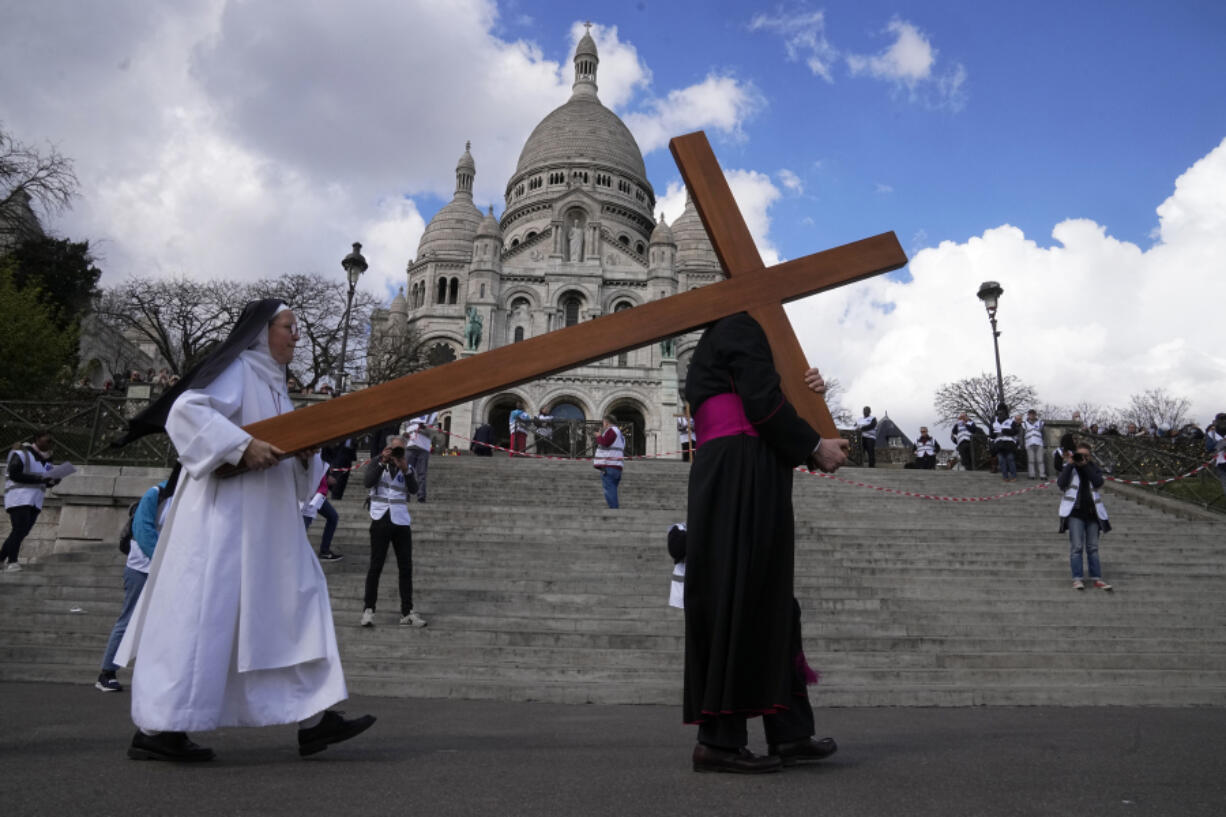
pixel 721 416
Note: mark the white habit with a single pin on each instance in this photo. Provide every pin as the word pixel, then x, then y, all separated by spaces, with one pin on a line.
pixel 234 626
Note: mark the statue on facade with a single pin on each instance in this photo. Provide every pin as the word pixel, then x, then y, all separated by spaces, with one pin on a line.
pixel 472 329
pixel 575 241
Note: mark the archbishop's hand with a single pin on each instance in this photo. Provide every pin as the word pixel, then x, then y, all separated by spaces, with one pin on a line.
pixel 260 455
pixel 831 453
pixel 814 381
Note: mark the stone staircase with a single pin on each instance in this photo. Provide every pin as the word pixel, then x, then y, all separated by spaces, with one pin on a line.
pixel 535 591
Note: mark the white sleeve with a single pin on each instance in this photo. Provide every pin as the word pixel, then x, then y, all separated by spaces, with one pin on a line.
pixel 200 427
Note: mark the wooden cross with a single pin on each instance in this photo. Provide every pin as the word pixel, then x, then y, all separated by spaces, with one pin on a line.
pixel 760 291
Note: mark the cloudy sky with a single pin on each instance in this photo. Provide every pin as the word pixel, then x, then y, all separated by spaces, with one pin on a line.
pixel 1074 152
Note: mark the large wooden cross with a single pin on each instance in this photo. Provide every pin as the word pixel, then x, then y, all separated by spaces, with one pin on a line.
pixel 760 291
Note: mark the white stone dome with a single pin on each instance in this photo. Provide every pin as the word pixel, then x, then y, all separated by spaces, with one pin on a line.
pixel 451 231
pixel 694 250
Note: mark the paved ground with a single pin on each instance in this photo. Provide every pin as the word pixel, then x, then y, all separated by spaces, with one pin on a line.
pixel 62 753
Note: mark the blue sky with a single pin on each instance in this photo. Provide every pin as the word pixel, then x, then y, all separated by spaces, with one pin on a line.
pixel 1074 152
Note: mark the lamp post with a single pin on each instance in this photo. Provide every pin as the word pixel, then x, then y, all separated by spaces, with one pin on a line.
pixel 989 293
pixel 354 265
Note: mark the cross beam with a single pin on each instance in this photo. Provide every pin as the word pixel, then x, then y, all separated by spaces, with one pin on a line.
pixel 750 287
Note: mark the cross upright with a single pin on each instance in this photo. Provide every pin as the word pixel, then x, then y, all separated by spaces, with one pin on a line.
pixel 751 287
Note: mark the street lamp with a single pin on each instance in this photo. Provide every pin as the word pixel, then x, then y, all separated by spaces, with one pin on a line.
pixel 989 293
pixel 354 265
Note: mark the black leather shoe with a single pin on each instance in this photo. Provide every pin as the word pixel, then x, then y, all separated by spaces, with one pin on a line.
pixel 803 751
pixel 332 729
pixel 172 746
pixel 734 761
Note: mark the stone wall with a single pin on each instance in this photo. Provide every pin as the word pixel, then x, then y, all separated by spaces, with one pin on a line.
pixel 86 510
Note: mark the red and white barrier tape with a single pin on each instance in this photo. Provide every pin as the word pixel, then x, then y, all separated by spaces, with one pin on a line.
pixel 803 470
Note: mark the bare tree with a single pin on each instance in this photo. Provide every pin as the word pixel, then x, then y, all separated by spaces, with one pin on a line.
pixel 834 402
pixel 182 318
pixel 1095 414
pixel 27 176
pixel 1155 408
pixel 392 355
pixel 977 396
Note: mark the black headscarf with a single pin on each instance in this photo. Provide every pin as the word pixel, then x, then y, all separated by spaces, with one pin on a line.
pixel 253 320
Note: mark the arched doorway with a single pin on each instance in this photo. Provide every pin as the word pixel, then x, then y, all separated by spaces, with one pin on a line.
pixel 498 415
pixel 567 437
pixel 627 413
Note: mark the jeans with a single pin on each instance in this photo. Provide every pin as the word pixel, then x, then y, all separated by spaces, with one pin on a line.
pixel 1036 464
pixel 133 583
pixel 330 519
pixel 400 537
pixel 22 518
pixel 609 478
pixel 870 450
pixel 1083 535
pixel 966 456
pixel 1007 462
pixel 419 460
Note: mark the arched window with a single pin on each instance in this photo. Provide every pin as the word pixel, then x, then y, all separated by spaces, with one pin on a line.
pixel 519 334
pixel 571 309
pixel 531 234
pixel 514 242
pixel 624 240
pixel 439 353
pixel 455 290
pixel 639 248
pixel 442 291
pixel 623 359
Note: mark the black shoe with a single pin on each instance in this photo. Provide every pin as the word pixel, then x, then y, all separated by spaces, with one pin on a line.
pixel 172 746
pixel 329 556
pixel 803 751
pixel 332 729
pixel 734 761
pixel 106 683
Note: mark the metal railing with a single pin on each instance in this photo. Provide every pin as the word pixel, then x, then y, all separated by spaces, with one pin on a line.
pixel 1152 459
pixel 83 430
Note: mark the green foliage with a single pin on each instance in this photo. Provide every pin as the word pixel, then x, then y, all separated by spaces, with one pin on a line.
pixel 36 349
pixel 61 271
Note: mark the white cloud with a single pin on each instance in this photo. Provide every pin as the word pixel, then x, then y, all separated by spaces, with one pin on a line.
pixel 754 193
pixel 1089 318
pixel 791 181
pixel 882 188
pixel 804 39
pixel 719 102
pixel 910 62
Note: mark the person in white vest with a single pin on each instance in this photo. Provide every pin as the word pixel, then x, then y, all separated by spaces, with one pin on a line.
pixel 417 452
pixel 868 436
pixel 25 484
pixel 390 481
pixel 676 549
pixel 685 435
pixel 1036 459
pixel 962 435
pixel 1215 444
pixel 1082 514
pixel 925 448
pixel 234 625
pixel 1005 431
pixel 610 452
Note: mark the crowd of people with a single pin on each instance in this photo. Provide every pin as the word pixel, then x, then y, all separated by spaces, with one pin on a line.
pixel 243 635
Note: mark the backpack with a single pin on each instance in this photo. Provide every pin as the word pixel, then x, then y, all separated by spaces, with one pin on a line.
pixel 125 535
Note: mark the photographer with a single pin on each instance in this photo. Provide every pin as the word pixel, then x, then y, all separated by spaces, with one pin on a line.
pixel 1082 513
pixel 390 481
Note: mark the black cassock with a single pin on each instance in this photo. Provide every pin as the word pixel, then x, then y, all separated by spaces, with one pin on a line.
pixel 742 634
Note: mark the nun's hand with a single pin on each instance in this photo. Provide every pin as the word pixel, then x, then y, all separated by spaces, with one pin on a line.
pixel 260 455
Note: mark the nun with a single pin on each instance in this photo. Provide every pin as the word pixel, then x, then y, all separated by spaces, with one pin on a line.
pixel 234 627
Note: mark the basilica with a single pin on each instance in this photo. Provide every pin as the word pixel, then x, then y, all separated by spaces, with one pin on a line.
pixel 578 239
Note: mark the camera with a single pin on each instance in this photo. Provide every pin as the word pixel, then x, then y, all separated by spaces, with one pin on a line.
pixel 398 452
pixel 1079 458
